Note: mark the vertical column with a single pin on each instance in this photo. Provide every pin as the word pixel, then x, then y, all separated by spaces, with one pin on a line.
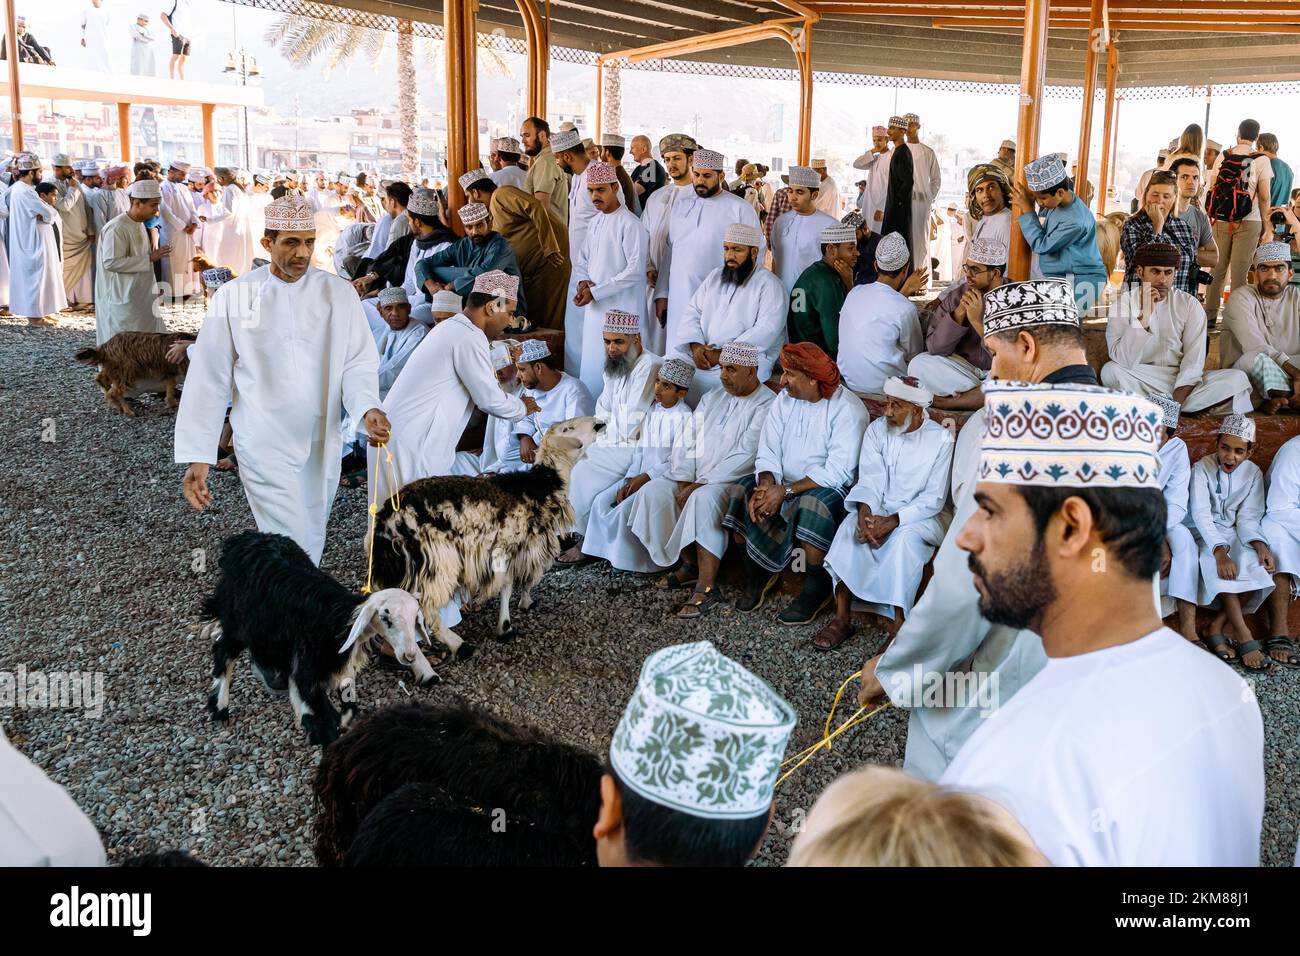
pixel 1107 176
pixel 124 130
pixel 1097 38
pixel 611 113
pixel 539 56
pixel 1033 65
pixel 209 136
pixel 803 56
pixel 600 100
pixel 15 89
pixel 459 21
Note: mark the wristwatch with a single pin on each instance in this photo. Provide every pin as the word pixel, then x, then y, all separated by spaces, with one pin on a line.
pixel 789 493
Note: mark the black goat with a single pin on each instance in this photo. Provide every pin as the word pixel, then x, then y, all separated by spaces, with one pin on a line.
pixel 304 631
pixel 481 768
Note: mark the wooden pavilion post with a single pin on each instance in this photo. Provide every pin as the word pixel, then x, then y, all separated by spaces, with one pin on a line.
pixel 1107 177
pixel 1097 38
pixel 1033 67
pixel 459 27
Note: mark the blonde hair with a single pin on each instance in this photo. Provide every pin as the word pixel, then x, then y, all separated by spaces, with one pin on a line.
pixel 879 816
pixel 1192 142
pixel 1108 235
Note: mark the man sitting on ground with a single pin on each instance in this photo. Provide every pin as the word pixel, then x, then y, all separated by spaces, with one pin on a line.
pixel 399 338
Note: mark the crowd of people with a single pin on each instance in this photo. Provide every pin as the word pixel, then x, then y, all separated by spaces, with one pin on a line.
pixel 768 382
pixel 97 29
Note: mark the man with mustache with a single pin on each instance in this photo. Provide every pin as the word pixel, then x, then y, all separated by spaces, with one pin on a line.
pixel 1093 756
pixel 482 249
pixel 1261 330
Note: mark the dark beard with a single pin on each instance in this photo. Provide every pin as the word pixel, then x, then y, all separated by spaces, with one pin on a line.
pixel 535 150
pixel 739 274
pixel 1017 596
pixel 704 192
pixel 616 368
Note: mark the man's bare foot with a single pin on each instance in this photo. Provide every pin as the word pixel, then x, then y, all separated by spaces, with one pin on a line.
pixel 1272 406
pixel 45 321
pixel 227 464
pixel 573 557
pixel 869 688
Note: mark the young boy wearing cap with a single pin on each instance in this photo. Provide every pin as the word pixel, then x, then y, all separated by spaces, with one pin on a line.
pixel 1065 239
pixel 796 234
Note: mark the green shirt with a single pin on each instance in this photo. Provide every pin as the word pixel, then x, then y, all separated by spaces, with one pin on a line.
pixel 815 302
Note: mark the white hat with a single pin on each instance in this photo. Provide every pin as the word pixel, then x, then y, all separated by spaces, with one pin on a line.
pixel 612 139
pixel 677 371
pixel 912 118
pixel 740 353
pixel 1273 252
pixel 892 253
pixel 424 202
pixel 534 350
pixel 473 212
pixel 393 295
pixel 909 390
pixel 179 165
pixel 145 189
pixel 1239 425
pixel 498 283
pixel 702 735
pixel 618 322
pixel 291 214
pixel 566 139
pixel 1045 172
pixel 1022 305
pixel 473 176
pixel 1169 408
pixel 804 176
pixel 1215 145
pixel 500 355
pixel 445 300
pixel 1069 436
pixel 197 174
pixel 506 144
pixel 708 159
pixel 26 161
pixel 837 233
pixel 743 234
pixel 1008 144
pixel 987 252
pixel 60 159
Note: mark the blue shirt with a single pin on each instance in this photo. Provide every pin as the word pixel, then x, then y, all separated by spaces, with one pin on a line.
pixel 1280 190
pixel 1066 240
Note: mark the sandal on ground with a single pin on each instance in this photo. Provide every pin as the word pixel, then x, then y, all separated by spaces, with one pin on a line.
pixel 577 562
pixel 832 635
pixel 1246 648
pixel 684 577
pixel 1220 647
pixel 1281 642
pixel 701 602
pixel 355 480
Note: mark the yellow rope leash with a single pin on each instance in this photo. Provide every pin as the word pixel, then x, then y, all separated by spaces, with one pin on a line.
pixel 862 714
pixel 395 499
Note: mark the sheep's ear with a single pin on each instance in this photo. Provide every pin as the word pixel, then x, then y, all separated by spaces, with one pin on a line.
pixel 422 627
pixel 361 622
pixel 567 443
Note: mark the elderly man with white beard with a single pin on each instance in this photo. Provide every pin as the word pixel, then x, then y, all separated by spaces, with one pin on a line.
pixel 500 445
pixel 740 301
pixel 624 402
pixel 686 505
pixel 881 547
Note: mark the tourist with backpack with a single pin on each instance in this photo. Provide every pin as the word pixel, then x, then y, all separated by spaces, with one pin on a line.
pixel 1237 193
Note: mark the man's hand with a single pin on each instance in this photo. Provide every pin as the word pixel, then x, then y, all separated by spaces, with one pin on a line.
pixel 530 405
pixel 661 312
pixel 869 688
pixel 189 230
pixel 877 216
pixel 864 523
pixel 432 286
pixel 195 485
pixel 176 352
pixel 527 450
pixel 162 252
pixel 970 301
pixel 1157 217
pixel 556 261
pixel 1224 564
pixel 1166 557
pixel 651 277
pixel 1020 194
pixel 766 501
pixel 583 296
pixel 684 490
pixel 631 487
pixel 844 271
pixel 363 283
pixel 915 282
pixel 377 426
pixel 1265 555
pixel 881 527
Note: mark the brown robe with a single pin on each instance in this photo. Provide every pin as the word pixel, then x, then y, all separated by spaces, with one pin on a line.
pixel 541 244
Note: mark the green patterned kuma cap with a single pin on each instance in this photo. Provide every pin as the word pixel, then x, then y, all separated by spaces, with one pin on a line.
pixel 702 734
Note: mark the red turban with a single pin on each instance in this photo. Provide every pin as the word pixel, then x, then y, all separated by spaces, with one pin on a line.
pixel 813 362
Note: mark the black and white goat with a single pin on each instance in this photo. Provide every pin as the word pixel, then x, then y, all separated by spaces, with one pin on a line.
pixel 304 631
pixel 482 536
pixel 468 764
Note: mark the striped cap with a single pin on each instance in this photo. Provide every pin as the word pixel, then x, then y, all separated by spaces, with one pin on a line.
pixel 566 139
pixel 708 159
pixel 804 176
pixel 740 353
pixel 618 322
pixel 838 233
pixel 743 234
pixel 678 372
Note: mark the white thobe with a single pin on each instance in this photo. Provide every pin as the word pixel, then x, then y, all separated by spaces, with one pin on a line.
pixel 717 450
pixel 828 199
pixel 235 247
pixel 996 227
pixel 35 259
pixel 1281 524
pixel 143 62
pixel 1164 351
pixel 379 237
pixel 904 474
pixel 1255 325
pixel 352 242
pixel 178 211
pixel 78 242
pixel 500 445
pixel 124 281
pixel 581 212
pixel 1175 481
pixel 656 217
pixel 421 311
pixel 289 357
pixel 395 348
pixel 257 203
pixel 107 205
pixel 608 530
pixel 1109 785
pixel 327 233
pixel 1227 509
pixel 720 312
pixel 510 176
pixel 879 334
pixel 447 376
pixel 40 825
pixel 567 398
pixel 623 405
pixel 94 30
pixel 820 441
pixel 926 180
pixel 613 259
pixel 695 234
pixel 796 243
pixel 4 245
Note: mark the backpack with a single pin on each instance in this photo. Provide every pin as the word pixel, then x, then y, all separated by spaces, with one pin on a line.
pixel 1231 198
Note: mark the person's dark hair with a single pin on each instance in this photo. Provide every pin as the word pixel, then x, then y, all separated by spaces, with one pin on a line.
pixel 1130 521
pixel 1057 335
pixel 46 187
pixel 741 164
pixel 550 361
pixel 1269 142
pixel 539 124
pixel 277 192
pixel 1178 164
pixel 615 152
pixel 578 150
pixel 400 192
pixel 272 233
pixel 1162 177
pixel 1249 129
pixel 654 833
pixel 428 220
pixel 1067 184
pixel 141 168
pixel 485 185
pixel 360 179
pixel 894 274
pixel 508 158
pixel 476 300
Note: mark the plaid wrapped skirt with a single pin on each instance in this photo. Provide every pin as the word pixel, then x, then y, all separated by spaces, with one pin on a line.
pixel 812 517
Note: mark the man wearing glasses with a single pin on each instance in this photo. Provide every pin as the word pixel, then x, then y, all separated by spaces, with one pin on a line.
pixel 955 362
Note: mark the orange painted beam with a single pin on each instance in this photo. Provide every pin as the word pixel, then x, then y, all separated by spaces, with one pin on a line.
pixel 872 7
pixel 1033 71
pixel 1163 25
pixel 539 56
pixel 1097 37
pixel 459 26
pixel 124 130
pixel 15 89
pixel 1107 176
pixel 803 55
pixel 209 136
pixel 767 30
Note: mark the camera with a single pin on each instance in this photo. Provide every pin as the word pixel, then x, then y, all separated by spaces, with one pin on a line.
pixel 1281 232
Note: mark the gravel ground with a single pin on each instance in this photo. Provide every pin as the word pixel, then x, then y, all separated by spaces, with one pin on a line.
pixel 103 565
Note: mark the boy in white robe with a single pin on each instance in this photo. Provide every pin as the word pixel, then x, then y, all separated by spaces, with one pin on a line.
pixel 1180 571
pixel 1281 527
pixel 180 222
pixel 796 234
pixel 608 532
pixel 288 346
pixel 1156 339
pixel 740 301
pixel 1227 504
pixel 880 332
pixel 124 281
pixel 500 446
pixel 685 506
pixel 449 374
pixel 609 269
pixel 557 396
pixel 399 339
pixel 882 546
pixel 624 403
pixel 1102 764
pixel 35 258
